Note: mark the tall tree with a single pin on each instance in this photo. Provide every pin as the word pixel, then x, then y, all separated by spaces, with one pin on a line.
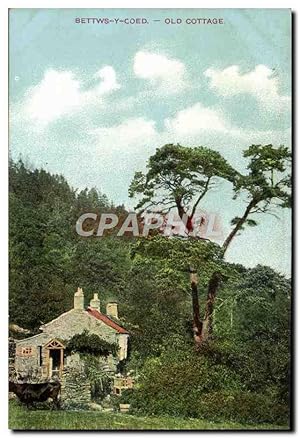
pixel 179 177
pixel 158 282
pixel 267 185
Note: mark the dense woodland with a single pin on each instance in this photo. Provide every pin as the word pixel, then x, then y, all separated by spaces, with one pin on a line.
pixel 209 339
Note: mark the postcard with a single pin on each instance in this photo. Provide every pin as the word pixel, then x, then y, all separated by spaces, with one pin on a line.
pixel 150 199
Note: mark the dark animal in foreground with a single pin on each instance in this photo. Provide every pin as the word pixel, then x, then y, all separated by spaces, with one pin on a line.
pixel 30 393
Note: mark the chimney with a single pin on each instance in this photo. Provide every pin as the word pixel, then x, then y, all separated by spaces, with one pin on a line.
pixel 112 310
pixel 95 303
pixel 79 299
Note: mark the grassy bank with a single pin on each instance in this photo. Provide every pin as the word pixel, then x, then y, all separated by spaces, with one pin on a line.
pixel 21 418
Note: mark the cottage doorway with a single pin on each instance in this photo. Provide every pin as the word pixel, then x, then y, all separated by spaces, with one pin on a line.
pixel 55 362
pixel 55 358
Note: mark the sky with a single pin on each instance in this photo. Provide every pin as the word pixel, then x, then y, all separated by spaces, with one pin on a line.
pixel 93 101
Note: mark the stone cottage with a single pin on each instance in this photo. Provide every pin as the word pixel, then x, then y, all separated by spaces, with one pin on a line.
pixel 43 356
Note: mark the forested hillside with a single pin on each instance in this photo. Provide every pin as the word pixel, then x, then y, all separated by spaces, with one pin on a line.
pixel 242 374
pixel 48 260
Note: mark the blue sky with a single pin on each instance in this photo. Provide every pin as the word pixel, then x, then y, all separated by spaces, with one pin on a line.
pixel 94 101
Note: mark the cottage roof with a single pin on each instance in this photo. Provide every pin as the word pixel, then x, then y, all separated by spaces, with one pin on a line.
pixel 101 317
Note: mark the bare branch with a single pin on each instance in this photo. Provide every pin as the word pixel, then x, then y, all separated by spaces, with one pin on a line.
pixel 206 187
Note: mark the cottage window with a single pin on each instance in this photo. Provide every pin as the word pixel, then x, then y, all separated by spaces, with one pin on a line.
pixel 26 351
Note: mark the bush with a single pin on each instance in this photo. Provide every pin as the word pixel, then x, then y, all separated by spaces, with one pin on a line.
pixel 244 407
pixel 185 384
pixel 100 380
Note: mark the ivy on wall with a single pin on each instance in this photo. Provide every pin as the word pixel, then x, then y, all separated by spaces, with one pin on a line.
pixel 91 344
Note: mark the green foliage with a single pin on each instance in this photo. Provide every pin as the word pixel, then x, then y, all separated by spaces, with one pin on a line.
pixel 176 174
pixel 174 383
pixel 252 322
pixel 48 260
pixel 92 349
pixel 41 215
pixel 175 256
pixel 268 182
pixel 243 374
pixel 91 343
pixel 100 380
pixel 101 264
pixel 159 286
pixel 243 406
pixel 268 178
pixel 185 384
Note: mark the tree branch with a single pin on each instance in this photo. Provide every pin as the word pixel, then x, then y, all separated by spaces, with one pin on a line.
pixel 206 187
pixel 239 224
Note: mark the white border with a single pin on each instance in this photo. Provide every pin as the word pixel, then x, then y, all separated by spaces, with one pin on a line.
pixel 4 5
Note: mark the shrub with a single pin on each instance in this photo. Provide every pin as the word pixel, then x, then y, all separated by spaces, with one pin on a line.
pixel 189 385
pixel 100 380
pixel 244 407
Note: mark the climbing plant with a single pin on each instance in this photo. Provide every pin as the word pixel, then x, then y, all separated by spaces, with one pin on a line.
pixel 91 344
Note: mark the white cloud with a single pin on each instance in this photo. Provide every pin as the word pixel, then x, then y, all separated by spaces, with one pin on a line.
pixel 207 126
pixel 195 125
pixel 60 93
pixel 126 136
pixel 259 82
pixel 202 124
pixel 168 74
pixel 119 150
pixel 108 82
pixel 196 120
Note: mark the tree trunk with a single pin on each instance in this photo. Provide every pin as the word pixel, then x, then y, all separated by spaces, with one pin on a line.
pixel 238 226
pixel 180 208
pixel 181 212
pixel 213 286
pixel 197 323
